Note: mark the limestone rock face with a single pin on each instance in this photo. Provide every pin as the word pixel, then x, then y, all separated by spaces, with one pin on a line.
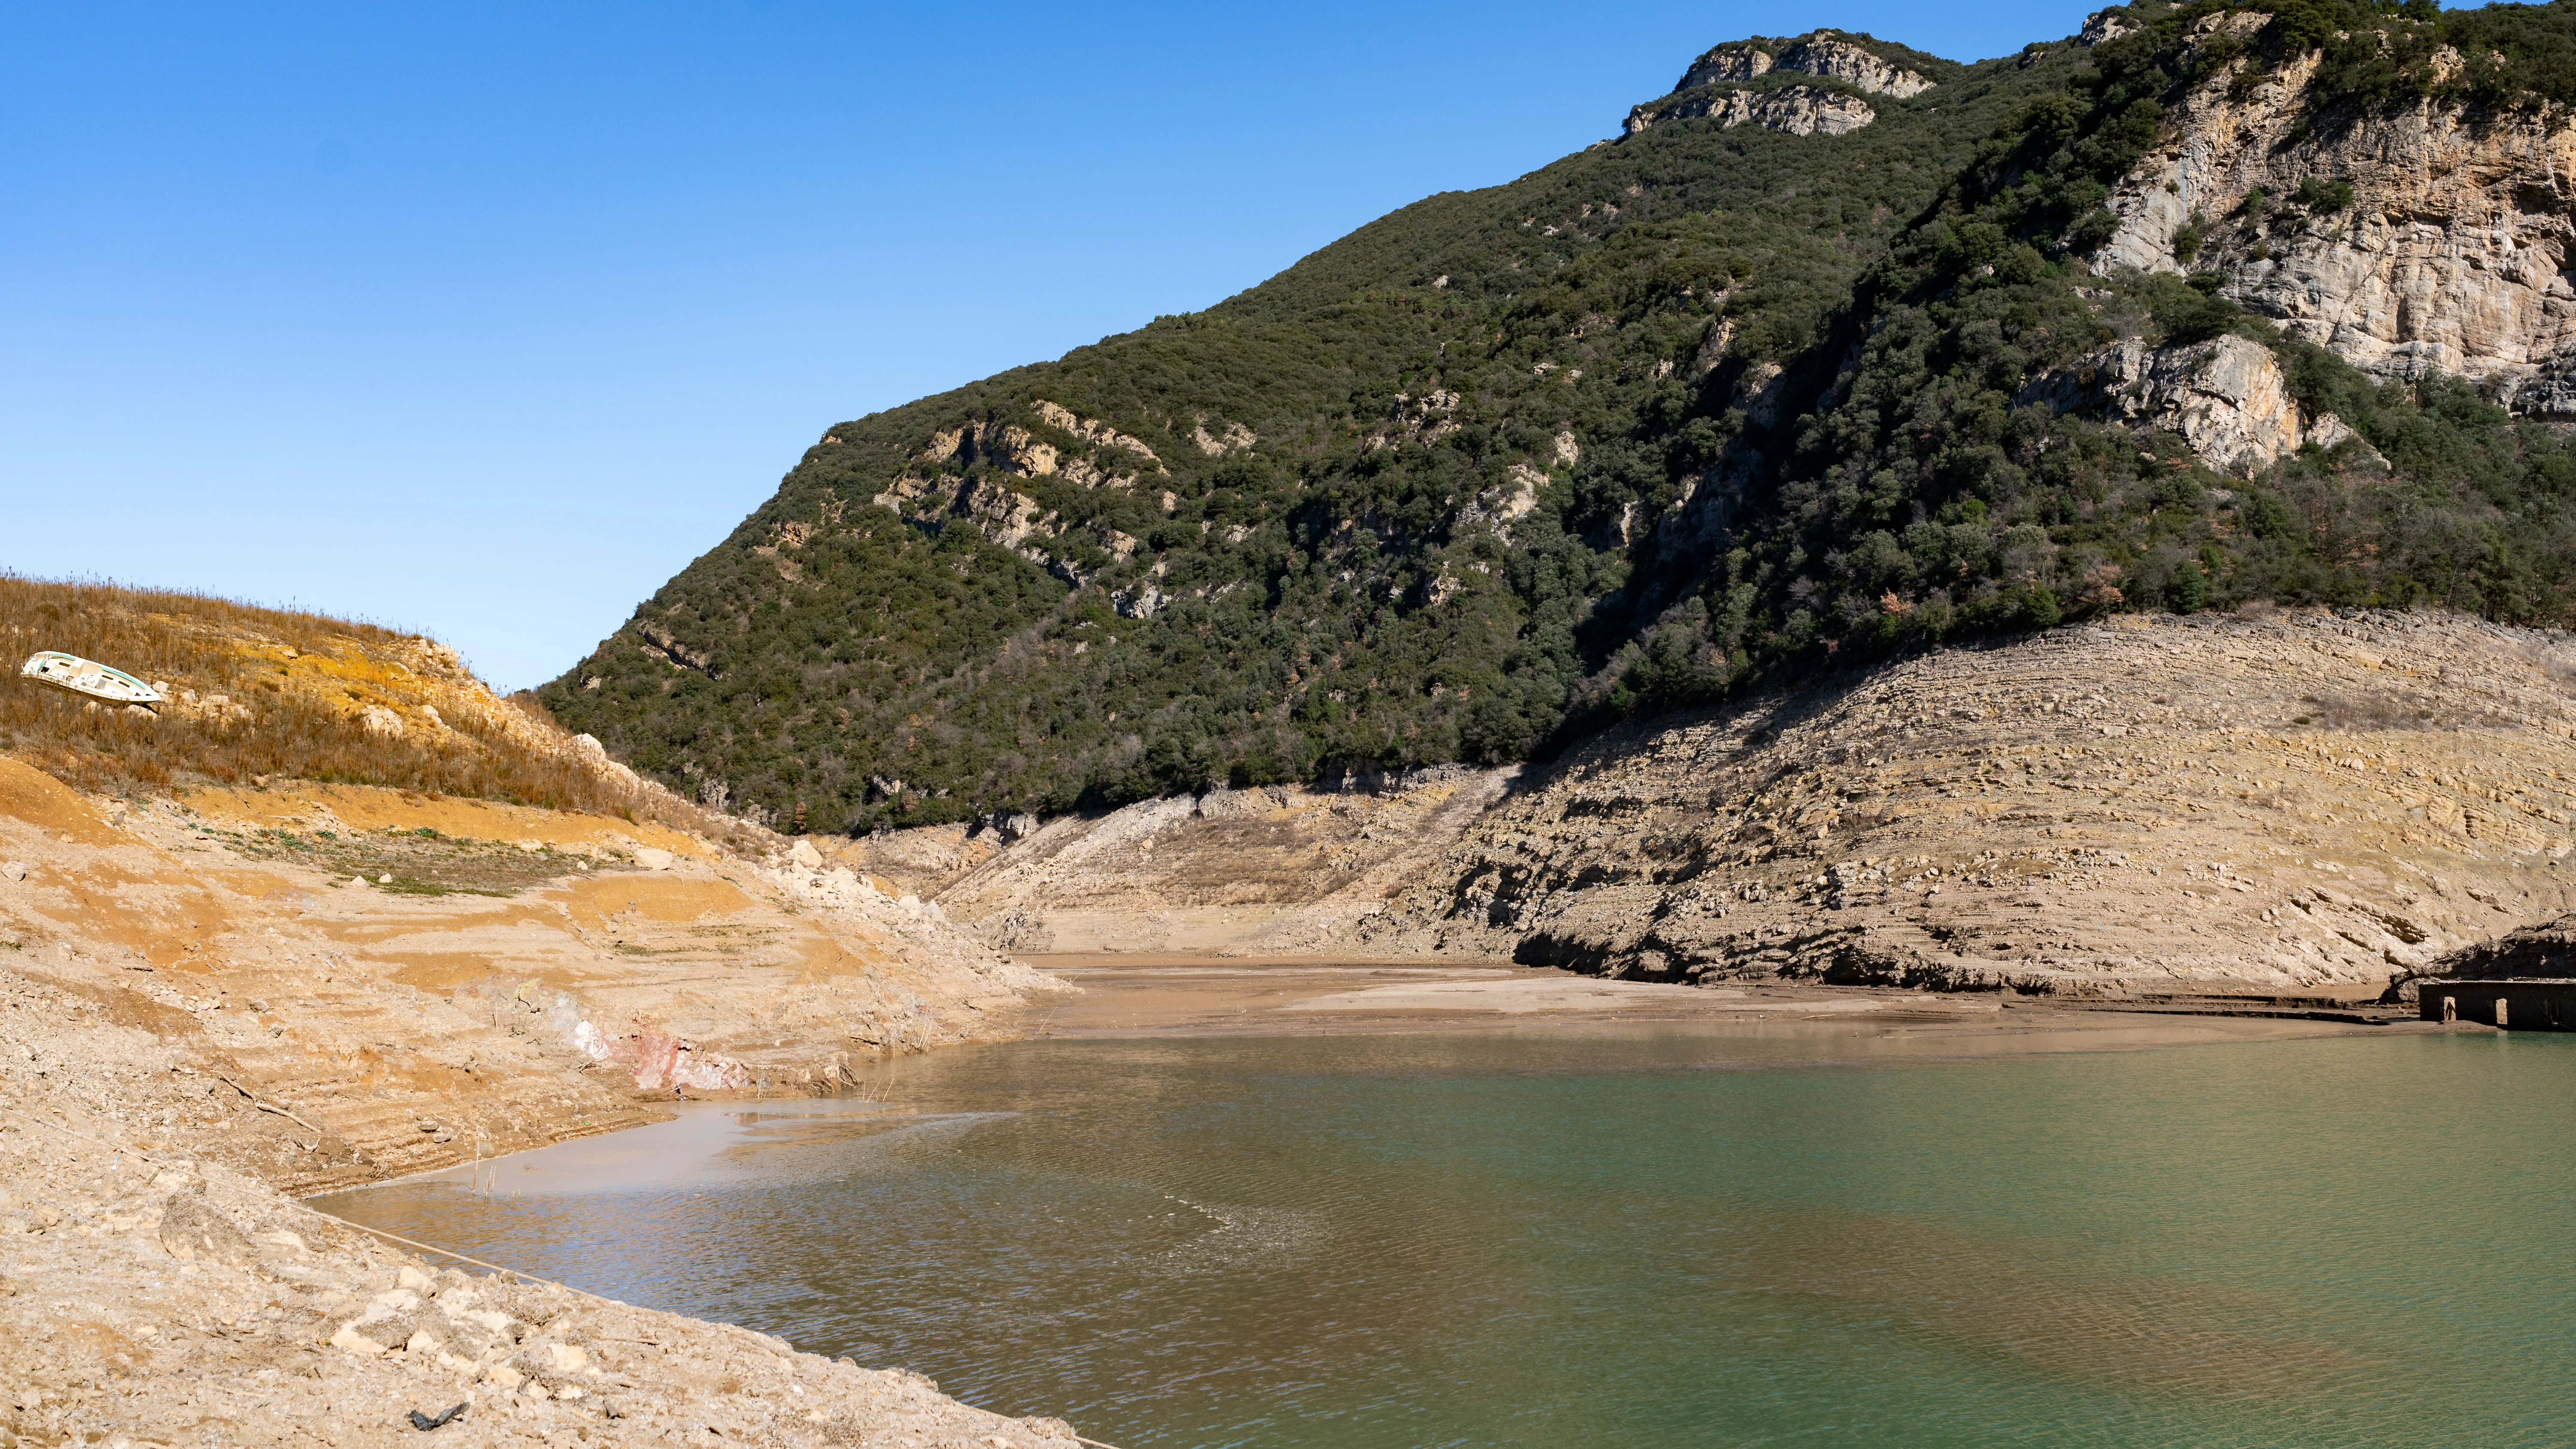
pixel 2452 255
pixel 1738 60
pixel 2227 397
pixel 2102 26
pixel 1819 54
pixel 1797 110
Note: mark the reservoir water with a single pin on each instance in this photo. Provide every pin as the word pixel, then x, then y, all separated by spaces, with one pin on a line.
pixel 1621 1235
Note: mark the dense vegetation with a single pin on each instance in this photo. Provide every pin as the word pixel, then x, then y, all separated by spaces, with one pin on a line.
pixel 1647 426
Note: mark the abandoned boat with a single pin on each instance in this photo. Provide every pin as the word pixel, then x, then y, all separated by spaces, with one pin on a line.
pixel 88 676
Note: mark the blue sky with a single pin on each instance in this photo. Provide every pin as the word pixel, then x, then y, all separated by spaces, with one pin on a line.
pixel 485 320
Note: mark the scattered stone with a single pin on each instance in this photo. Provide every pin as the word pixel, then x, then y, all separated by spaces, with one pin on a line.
pixel 654 858
pixel 14 870
pixel 191 1229
pixel 427 1422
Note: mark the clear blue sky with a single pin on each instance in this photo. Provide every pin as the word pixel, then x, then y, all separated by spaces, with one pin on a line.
pixel 485 320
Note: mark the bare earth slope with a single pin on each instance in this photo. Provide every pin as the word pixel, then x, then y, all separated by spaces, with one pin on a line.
pixel 2307 803
pixel 201 1002
pixel 533 980
pixel 1274 871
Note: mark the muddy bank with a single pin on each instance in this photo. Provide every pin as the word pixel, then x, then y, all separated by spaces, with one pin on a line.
pixel 1128 995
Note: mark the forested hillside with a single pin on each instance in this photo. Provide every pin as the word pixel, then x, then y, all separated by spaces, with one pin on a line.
pixel 1827 355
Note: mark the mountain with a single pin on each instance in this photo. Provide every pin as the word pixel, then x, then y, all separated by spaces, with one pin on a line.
pixel 1838 350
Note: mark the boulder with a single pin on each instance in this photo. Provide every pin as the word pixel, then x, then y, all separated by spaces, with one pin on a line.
pixel 2227 397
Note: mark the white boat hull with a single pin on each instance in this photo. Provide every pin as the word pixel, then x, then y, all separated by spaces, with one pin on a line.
pixel 89 677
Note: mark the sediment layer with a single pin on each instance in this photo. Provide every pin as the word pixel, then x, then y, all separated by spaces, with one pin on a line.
pixel 348 984
pixel 2304 802
pixel 2308 801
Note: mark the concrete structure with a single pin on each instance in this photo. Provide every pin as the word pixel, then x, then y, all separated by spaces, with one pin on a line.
pixel 2517 1005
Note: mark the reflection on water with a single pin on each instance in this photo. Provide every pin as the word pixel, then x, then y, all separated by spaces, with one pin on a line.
pixel 1611 1235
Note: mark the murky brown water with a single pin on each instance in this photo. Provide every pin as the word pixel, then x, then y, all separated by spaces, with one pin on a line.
pixel 1682 1233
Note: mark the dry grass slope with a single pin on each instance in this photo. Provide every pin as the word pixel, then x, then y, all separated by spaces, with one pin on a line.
pixel 262 693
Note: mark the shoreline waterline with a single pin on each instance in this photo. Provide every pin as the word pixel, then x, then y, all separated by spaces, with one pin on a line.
pixel 1982 1027
pixel 1103 1220
pixel 1312 1240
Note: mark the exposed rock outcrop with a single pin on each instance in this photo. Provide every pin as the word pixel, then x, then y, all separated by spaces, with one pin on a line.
pixel 2451 253
pixel 2226 397
pixel 1818 54
pixel 1796 110
pixel 2102 27
pixel 1093 430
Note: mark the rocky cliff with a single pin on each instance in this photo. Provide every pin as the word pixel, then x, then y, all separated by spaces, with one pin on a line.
pixel 1818 53
pixel 2226 398
pixel 1793 110
pixel 2431 235
pixel 1716 87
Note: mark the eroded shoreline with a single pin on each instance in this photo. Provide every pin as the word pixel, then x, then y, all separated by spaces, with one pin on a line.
pixel 1149 995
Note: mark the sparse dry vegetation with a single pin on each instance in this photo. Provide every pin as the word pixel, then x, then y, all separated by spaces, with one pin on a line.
pixel 261 693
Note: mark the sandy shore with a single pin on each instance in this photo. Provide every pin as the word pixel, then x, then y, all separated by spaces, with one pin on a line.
pixel 1141 995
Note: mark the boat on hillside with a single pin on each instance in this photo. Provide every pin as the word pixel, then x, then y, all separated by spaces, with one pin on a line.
pixel 88 676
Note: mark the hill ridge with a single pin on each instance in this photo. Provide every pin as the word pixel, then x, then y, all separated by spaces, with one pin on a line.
pixel 1672 416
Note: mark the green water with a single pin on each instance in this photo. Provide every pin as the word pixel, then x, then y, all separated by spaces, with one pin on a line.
pixel 1622 1236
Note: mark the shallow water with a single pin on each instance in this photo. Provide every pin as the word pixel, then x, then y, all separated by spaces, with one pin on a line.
pixel 1621 1235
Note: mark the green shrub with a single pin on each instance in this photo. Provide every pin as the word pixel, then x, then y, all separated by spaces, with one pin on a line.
pixel 1849 353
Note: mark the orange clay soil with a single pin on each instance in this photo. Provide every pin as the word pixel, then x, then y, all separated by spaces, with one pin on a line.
pixel 220 978
pixel 375 807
